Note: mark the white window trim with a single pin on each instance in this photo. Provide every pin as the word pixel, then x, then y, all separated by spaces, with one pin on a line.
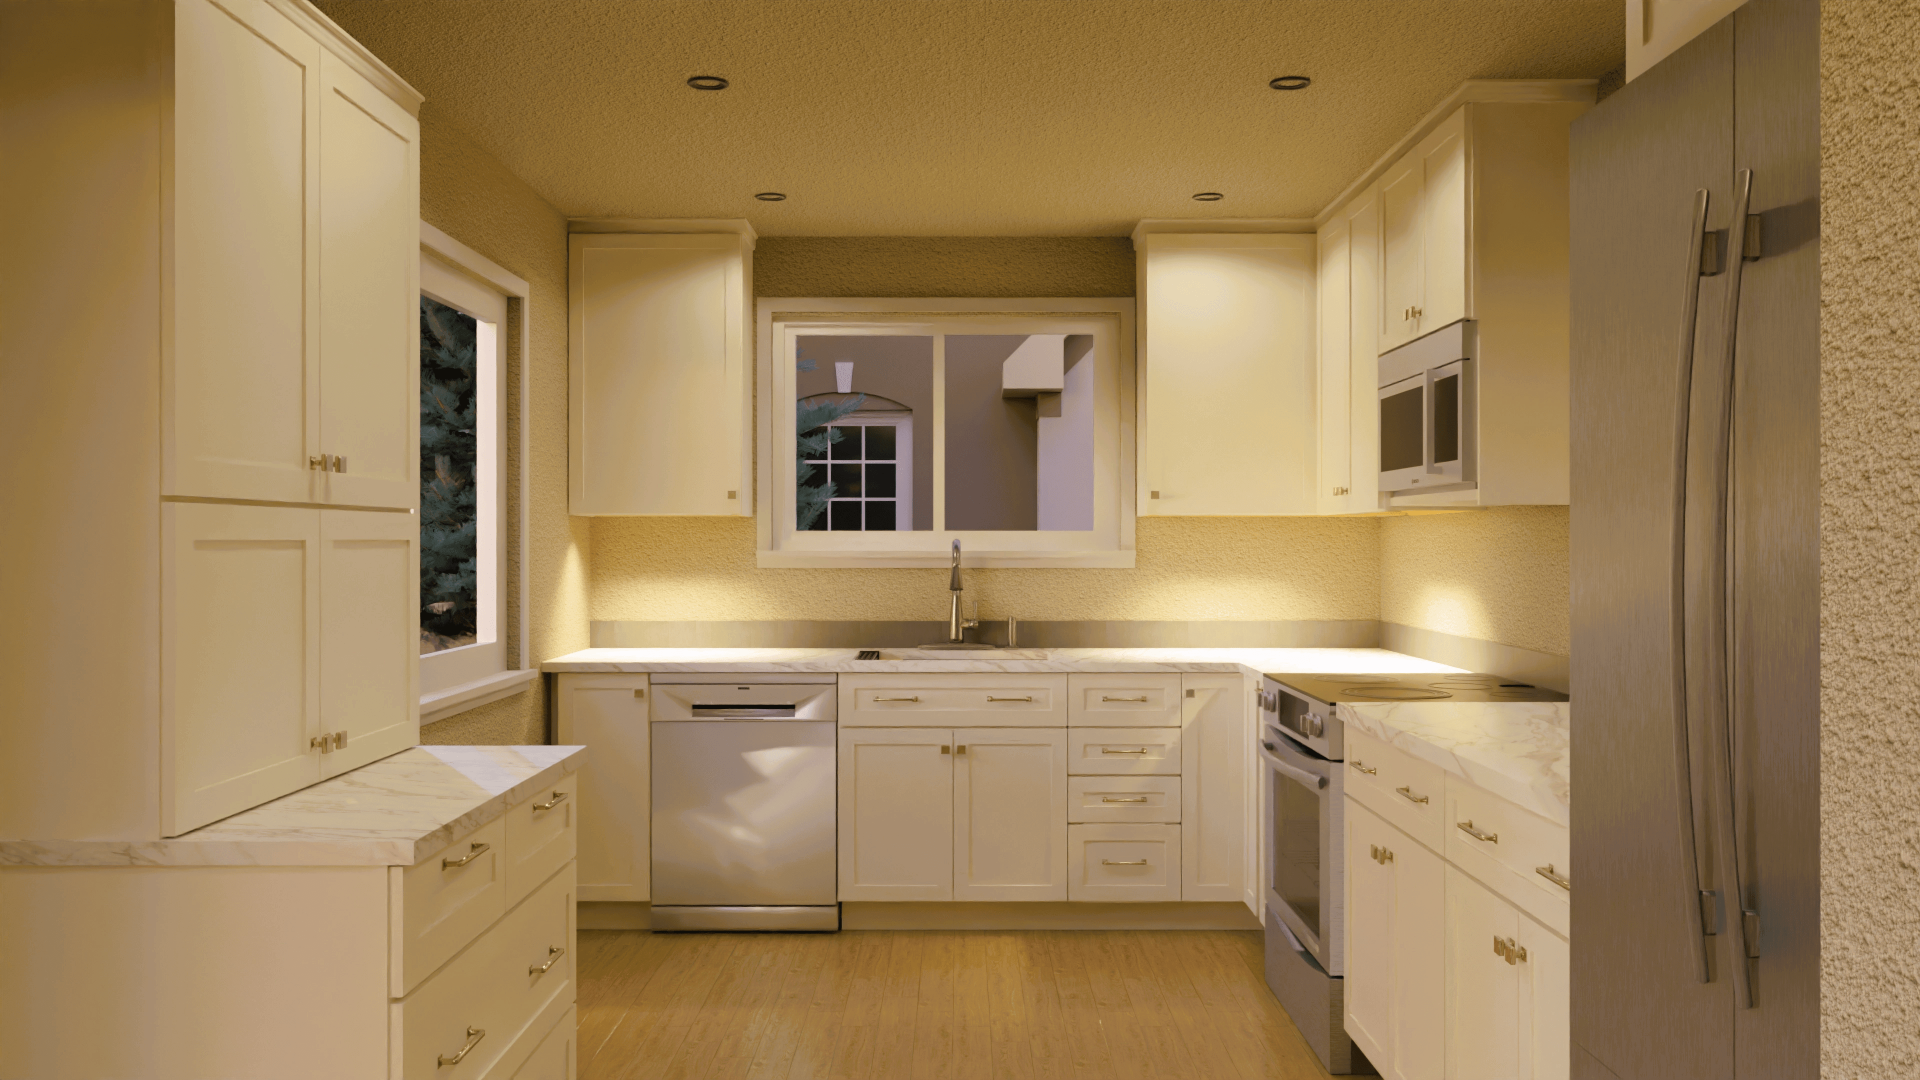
pixel 1109 544
pixel 480 688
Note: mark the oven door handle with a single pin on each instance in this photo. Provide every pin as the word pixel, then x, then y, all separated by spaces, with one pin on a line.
pixel 1311 779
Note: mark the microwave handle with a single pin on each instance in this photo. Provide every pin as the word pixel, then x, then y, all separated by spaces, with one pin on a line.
pixel 1313 780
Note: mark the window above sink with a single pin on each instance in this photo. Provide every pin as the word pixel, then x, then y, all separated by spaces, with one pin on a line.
pixel 889 428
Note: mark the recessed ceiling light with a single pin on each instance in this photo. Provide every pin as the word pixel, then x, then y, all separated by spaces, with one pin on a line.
pixel 772 196
pixel 707 82
pixel 1291 82
pixel 1208 196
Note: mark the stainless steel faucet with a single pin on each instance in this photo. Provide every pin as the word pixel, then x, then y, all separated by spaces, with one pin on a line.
pixel 956 626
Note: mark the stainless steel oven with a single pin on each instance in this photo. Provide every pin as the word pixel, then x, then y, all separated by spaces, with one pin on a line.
pixel 1429 414
pixel 1302 811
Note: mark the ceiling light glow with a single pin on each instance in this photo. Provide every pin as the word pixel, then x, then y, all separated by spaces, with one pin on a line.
pixel 707 82
pixel 1291 82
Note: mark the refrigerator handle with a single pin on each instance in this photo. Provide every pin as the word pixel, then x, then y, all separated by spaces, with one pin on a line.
pixel 1743 920
pixel 1697 905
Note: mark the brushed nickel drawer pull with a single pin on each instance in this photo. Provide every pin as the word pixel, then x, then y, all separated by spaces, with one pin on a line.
pixel 1547 872
pixel 455 864
pixel 1123 862
pixel 1359 766
pixel 1411 797
pixel 554 953
pixel 1142 699
pixel 558 798
pixel 474 1035
pixel 1111 750
pixel 1484 837
pixel 896 699
pixel 1109 798
pixel 990 697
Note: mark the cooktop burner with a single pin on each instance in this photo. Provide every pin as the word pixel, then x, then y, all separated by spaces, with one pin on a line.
pixel 1421 686
pixel 1395 693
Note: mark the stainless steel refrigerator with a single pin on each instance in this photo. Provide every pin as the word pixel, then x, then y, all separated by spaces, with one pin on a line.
pixel 1695 558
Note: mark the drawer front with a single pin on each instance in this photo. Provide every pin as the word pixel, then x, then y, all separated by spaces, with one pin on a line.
pixel 1133 799
pixel 1408 792
pixel 1123 751
pixel 1507 850
pixel 953 701
pixel 445 902
pixel 1123 701
pixel 1129 863
pixel 555 1057
pixel 494 987
pixel 541 836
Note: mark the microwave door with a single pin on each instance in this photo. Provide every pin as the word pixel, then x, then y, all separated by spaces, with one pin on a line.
pixel 1449 425
pixel 1403 434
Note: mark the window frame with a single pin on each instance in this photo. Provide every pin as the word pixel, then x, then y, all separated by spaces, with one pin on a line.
pixel 780 321
pixel 455 680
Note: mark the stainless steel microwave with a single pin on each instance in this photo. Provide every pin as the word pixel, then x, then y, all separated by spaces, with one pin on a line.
pixel 1428 413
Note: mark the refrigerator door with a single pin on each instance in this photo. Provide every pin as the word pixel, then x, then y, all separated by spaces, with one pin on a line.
pixel 1775 526
pixel 1641 841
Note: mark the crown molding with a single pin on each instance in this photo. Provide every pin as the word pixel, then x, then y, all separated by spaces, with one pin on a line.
pixel 1152 226
pixel 738 226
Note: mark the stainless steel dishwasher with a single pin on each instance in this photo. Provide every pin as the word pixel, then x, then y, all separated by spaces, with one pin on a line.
pixel 744 803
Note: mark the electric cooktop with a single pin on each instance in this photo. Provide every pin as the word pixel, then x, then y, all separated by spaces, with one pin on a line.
pixel 1426 686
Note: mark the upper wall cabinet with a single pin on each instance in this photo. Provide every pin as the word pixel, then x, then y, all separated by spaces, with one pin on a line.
pixel 1349 343
pixel 660 413
pixel 1423 236
pixel 290 338
pixel 1227 409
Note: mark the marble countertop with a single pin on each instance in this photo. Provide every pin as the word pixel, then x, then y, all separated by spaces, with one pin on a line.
pixel 1251 661
pixel 1516 750
pixel 391 812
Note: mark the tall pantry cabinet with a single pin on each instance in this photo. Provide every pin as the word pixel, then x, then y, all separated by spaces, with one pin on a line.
pixel 208 411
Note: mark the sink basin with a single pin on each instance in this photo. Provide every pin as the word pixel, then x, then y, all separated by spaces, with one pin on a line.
pixel 962 652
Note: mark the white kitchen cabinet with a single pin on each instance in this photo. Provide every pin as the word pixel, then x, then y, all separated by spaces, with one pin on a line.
pixel 896 814
pixel 1395 950
pixel 1124 863
pixel 1506 988
pixel 1349 325
pixel 1227 371
pixel 1423 211
pixel 1009 814
pixel 660 418
pixel 1215 730
pixel 608 714
pixel 287 637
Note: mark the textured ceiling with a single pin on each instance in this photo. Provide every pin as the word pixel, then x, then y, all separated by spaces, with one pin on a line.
pixel 958 117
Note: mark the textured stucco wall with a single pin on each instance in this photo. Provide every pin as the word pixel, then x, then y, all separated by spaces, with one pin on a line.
pixel 1870 540
pixel 475 200
pixel 1497 575
pixel 1188 569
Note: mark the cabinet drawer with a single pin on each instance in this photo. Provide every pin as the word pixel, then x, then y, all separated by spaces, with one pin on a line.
pixel 1518 844
pixel 494 987
pixel 1408 792
pixel 445 900
pixel 1123 700
pixel 952 701
pixel 1123 862
pixel 541 836
pixel 1123 751
pixel 1135 799
pixel 555 1057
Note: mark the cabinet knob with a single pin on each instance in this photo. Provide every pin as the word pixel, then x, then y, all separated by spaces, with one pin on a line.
pixel 317 461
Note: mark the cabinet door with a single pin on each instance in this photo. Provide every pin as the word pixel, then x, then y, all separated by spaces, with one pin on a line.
pixel 896 814
pixel 1370 954
pixel 1336 358
pixel 1443 223
pixel 1010 814
pixel 1214 734
pixel 369 293
pixel 369 635
pixel 608 715
pixel 1506 988
pixel 1402 252
pixel 1420 955
pixel 657 359
pixel 240 658
pixel 1363 374
pixel 240 388
pixel 1227 418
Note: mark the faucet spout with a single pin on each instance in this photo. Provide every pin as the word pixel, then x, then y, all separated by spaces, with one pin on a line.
pixel 957 626
pixel 954 583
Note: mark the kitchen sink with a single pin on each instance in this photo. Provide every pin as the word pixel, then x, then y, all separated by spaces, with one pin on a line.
pixel 962 652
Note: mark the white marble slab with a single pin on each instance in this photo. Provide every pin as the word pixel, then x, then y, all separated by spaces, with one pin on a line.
pixel 1516 750
pixel 1250 661
pixel 391 812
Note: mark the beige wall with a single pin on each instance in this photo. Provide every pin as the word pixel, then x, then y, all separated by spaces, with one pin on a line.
pixel 475 200
pixel 1870 541
pixel 1497 575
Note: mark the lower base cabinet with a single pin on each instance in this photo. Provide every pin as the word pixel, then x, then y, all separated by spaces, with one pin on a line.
pixel 1507 988
pixel 1123 863
pixel 1396 949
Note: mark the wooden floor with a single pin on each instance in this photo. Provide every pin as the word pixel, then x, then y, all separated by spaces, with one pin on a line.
pixel 893 1005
